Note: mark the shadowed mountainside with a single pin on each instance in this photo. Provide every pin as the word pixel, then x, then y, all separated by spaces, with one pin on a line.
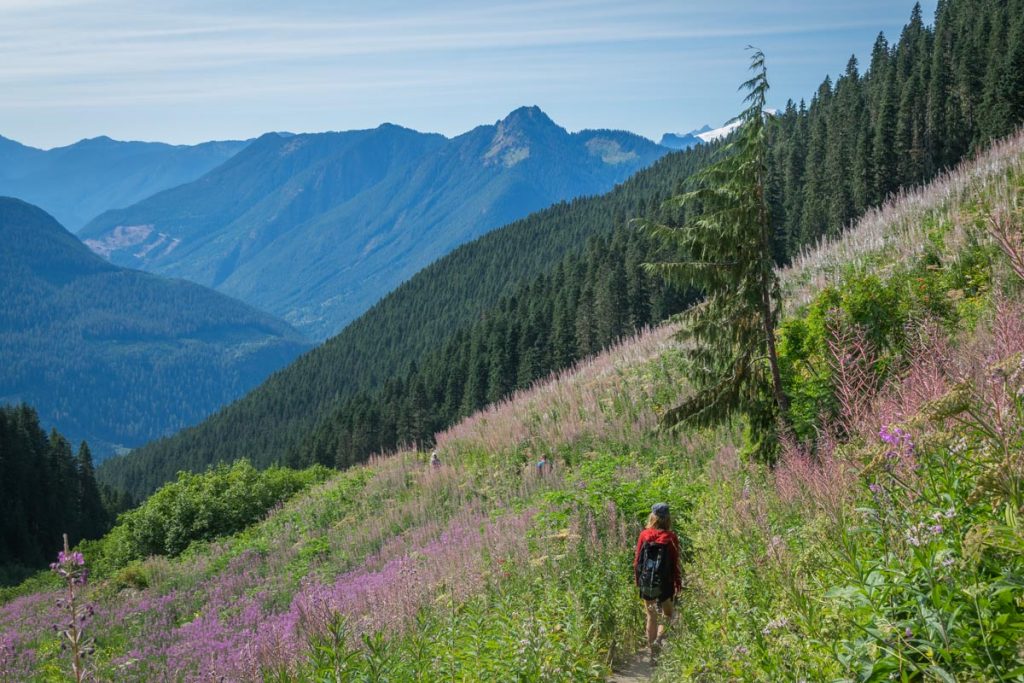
pixel 116 356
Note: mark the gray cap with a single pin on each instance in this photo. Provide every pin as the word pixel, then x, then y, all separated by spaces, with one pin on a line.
pixel 660 509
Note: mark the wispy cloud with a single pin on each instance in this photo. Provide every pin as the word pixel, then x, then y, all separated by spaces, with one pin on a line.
pixel 68 54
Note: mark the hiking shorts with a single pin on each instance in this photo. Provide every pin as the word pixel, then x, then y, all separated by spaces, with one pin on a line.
pixel 663 597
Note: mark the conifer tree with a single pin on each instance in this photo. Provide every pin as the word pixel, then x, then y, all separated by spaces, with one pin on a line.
pixel 839 153
pixel 793 176
pixel 1013 85
pixel 91 514
pixel 586 326
pixel 613 303
pixel 563 333
pixel 814 216
pixel 61 495
pixel 728 242
pixel 884 159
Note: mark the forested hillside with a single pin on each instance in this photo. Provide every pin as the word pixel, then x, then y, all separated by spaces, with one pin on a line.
pixel 586 304
pixel 934 113
pixel 115 356
pixel 45 490
pixel 417 318
pixel 925 101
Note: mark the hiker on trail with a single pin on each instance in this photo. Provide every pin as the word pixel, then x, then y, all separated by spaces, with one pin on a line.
pixel 543 466
pixel 657 569
pixel 434 460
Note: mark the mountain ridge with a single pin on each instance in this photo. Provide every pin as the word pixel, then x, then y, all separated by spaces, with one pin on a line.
pixel 76 182
pixel 334 230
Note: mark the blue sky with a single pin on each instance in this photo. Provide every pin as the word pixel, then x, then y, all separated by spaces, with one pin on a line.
pixel 187 70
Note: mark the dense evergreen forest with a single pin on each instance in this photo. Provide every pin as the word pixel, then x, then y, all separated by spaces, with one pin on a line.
pixel 45 490
pixel 416 319
pixel 585 304
pixel 936 95
pixel 409 366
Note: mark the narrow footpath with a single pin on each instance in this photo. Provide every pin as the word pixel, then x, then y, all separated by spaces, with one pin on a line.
pixel 636 669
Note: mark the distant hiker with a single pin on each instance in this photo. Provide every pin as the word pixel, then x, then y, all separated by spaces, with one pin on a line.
pixel 434 460
pixel 657 570
pixel 542 465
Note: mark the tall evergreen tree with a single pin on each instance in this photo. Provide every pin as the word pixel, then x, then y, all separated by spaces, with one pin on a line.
pixel 586 322
pixel 814 216
pixel 613 303
pixel 793 176
pixel 45 491
pixel 728 242
pixel 884 158
pixel 91 514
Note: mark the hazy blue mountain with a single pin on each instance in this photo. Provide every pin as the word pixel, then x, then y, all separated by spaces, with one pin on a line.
pixel 17 158
pixel 684 140
pixel 80 181
pixel 317 227
pixel 118 356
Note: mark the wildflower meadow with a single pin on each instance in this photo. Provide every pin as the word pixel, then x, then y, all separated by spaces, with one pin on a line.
pixel 884 542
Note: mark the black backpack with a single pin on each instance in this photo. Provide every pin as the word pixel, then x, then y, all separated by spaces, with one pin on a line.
pixel 653 571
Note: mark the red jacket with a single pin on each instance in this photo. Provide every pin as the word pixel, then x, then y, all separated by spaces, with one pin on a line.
pixel 668 538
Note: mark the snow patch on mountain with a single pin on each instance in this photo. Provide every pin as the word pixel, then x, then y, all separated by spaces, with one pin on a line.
pixel 610 151
pixel 509 147
pixel 719 133
pixel 121 237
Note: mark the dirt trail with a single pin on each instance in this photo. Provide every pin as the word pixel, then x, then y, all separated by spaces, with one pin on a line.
pixel 636 669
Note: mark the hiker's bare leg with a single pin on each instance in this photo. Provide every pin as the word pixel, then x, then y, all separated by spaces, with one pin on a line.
pixel 666 609
pixel 652 621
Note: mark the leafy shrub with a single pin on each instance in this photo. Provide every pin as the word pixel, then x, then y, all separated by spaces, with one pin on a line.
pixel 199 507
pixel 133 576
pixel 875 313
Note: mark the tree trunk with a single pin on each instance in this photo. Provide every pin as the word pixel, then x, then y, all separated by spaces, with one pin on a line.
pixel 767 314
pixel 773 360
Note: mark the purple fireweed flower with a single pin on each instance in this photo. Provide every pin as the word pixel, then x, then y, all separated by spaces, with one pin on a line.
pixel 72 558
pixel 900 452
pixel 240 627
pixel 774 624
pixel 70 566
pixel 921 533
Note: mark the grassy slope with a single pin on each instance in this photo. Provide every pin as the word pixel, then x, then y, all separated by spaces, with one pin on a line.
pixel 800 573
pixel 414 319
